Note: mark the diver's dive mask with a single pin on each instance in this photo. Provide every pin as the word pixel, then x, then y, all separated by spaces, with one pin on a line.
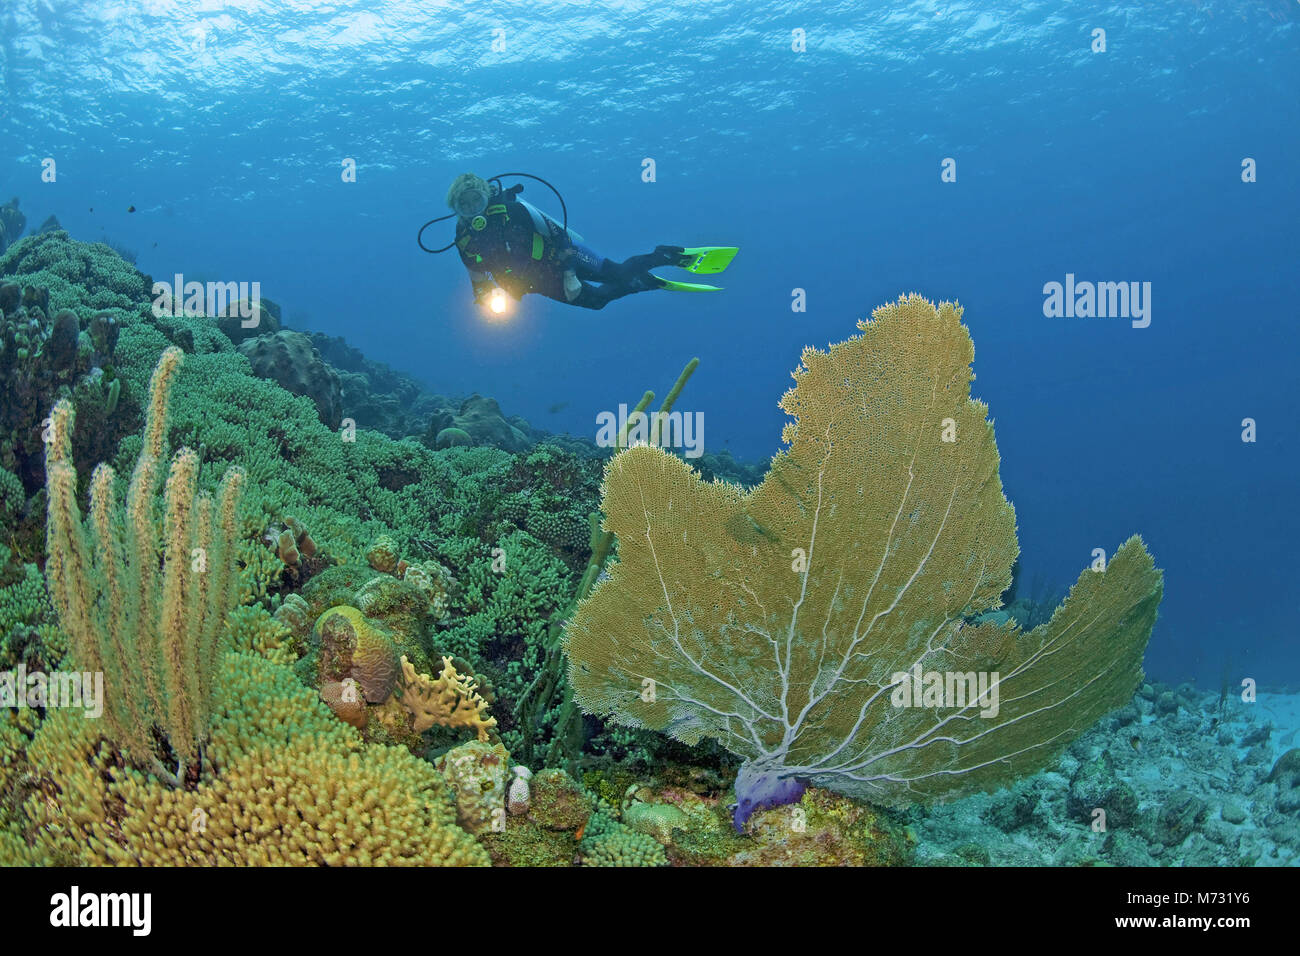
pixel 470 203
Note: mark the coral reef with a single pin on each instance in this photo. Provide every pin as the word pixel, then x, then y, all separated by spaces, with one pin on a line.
pixel 291 786
pixel 446 538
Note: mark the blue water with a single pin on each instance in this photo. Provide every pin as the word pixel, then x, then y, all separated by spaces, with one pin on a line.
pixel 226 130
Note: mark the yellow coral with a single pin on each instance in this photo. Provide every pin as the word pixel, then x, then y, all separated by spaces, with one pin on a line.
pixel 292 786
pixel 151 626
pixel 779 621
pixel 450 700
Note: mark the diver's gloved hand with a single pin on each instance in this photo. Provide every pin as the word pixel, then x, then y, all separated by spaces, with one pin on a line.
pixel 572 286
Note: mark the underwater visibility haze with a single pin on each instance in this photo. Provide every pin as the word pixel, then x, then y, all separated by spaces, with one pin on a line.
pixel 299 511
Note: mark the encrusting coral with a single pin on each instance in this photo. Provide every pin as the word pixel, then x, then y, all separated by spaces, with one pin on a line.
pixel 475 773
pixel 153 628
pixel 788 622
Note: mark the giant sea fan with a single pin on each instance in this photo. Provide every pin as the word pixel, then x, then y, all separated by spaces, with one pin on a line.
pixel 781 621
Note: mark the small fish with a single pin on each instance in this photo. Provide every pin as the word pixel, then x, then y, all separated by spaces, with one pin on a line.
pixel 1135 742
pixel 130 209
pixel 92 208
pixel 577 835
pixel 558 407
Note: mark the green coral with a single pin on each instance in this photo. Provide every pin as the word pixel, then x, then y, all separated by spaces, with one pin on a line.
pixel 13 498
pixel 28 625
pixel 500 621
pixel 254 630
pixel 607 842
pixel 79 275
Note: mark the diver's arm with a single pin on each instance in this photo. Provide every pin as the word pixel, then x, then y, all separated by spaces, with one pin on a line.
pixel 482 285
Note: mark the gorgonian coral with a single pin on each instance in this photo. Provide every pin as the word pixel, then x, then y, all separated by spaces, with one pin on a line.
pixel 815 625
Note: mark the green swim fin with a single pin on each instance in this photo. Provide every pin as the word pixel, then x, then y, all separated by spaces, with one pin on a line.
pixel 706 260
pixel 685 286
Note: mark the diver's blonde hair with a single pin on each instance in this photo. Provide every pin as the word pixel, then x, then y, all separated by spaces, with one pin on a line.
pixel 463 182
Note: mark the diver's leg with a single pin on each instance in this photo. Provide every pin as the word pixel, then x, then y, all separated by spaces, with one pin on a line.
pixel 662 256
pixel 599 296
pixel 590 265
pixel 617 279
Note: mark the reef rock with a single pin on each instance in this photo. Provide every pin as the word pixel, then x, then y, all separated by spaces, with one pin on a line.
pixel 476 773
pixel 290 360
pixel 12 223
pixel 482 420
pixel 376 395
pixel 244 320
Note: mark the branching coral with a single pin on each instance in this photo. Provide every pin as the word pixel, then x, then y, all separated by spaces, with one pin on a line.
pixel 292 786
pixel 450 700
pixel 787 622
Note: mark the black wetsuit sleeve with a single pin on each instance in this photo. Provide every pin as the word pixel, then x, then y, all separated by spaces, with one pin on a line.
pixel 478 279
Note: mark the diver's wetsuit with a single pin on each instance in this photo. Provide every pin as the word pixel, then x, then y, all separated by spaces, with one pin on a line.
pixel 513 251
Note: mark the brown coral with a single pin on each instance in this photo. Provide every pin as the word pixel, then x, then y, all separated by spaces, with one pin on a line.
pixel 351 646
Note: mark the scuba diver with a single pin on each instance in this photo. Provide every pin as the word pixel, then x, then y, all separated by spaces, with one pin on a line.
pixel 507 243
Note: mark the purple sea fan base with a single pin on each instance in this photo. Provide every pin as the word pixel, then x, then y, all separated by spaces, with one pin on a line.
pixel 761 790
